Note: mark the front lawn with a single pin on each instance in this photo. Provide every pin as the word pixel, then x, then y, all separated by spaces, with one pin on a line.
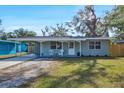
pixel 83 72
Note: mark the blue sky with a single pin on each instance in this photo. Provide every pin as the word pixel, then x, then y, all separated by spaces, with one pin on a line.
pixel 36 17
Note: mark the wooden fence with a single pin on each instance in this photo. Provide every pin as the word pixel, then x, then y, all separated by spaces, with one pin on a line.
pixel 116 50
pixel 31 49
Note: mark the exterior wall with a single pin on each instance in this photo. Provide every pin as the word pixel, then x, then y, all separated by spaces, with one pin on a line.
pixel 37 48
pixel 85 51
pixel 7 48
pixel 21 47
pixel 46 47
pixel 24 47
pixel 95 52
pixel 11 47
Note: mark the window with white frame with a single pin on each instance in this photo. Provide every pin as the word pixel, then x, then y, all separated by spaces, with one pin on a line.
pixel 71 44
pixel 94 45
pixel 53 45
pixel 98 45
pixel 56 45
pixel 91 45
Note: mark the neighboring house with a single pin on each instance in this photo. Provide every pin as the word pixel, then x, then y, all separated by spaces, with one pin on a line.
pixel 69 46
pixel 11 47
pixel 120 42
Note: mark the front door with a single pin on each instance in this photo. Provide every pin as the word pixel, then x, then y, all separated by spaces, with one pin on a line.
pixel 71 49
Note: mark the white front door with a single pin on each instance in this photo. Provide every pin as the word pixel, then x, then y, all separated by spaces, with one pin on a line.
pixel 71 49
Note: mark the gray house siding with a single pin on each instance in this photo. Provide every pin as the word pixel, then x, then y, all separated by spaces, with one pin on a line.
pixel 94 52
pixel 37 48
pixel 45 48
pixel 85 51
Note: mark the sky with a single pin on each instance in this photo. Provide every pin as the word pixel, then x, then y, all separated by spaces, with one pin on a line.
pixel 34 17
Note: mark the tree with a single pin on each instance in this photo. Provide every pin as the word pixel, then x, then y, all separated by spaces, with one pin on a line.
pixel 59 30
pixel 31 34
pixel 1 31
pixel 21 33
pixel 45 31
pixel 11 35
pixel 115 21
pixel 87 23
pixel 3 35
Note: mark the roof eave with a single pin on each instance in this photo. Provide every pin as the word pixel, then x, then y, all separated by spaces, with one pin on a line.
pixel 58 39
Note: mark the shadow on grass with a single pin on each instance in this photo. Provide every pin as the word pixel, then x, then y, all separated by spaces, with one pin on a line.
pixel 80 75
pixel 84 76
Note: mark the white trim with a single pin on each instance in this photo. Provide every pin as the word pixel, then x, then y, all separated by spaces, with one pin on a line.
pixel 58 39
pixel 94 45
pixel 56 44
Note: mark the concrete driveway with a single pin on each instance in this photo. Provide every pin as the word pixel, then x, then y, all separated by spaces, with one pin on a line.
pixel 5 63
pixel 23 73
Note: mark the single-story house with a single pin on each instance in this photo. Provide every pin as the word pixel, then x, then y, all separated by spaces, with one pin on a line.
pixel 11 47
pixel 48 46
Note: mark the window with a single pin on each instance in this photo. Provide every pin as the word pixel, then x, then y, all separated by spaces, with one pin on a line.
pixel 91 45
pixel 56 45
pixel 98 45
pixel 94 45
pixel 53 45
pixel 71 45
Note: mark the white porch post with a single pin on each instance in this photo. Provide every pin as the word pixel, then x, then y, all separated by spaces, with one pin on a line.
pixel 80 48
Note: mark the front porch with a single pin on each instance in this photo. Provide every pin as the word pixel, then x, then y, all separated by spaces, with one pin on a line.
pixel 58 49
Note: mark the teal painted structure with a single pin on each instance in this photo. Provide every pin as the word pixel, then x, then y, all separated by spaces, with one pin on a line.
pixel 11 47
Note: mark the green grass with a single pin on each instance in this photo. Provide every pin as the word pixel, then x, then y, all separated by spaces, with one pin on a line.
pixel 83 72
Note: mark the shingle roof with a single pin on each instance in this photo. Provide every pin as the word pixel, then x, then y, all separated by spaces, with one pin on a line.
pixel 121 41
